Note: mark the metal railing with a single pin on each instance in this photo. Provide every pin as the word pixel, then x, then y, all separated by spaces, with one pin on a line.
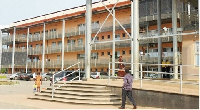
pixel 141 65
pixel 60 72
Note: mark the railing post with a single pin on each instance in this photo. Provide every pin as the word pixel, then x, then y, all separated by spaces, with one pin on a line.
pixel 181 85
pixel 109 73
pixel 141 75
pixel 52 86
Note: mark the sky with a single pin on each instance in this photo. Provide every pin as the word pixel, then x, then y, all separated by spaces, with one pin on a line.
pixel 17 10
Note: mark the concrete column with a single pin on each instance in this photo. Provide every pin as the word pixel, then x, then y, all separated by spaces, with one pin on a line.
pixel 174 26
pixel 159 39
pixel 63 43
pixel 13 52
pixel 27 49
pixel 135 36
pixel 113 49
pixel 43 49
pixel 88 37
pixel 0 49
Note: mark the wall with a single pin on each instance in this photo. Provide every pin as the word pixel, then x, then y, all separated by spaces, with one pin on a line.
pixel 149 98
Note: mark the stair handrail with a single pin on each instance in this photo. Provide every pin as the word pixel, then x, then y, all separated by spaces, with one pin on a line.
pixel 65 76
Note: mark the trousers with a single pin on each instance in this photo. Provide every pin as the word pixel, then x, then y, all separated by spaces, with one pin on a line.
pixel 127 93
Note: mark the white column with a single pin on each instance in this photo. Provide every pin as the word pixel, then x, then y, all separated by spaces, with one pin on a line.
pixel 88 37
pixel 174 26
pixel 113 49
pixel 0 48
pixel 63 43
pixel 27 50
pixel 13 52
pixel 159 39
pixel 43 49
pixel 135 36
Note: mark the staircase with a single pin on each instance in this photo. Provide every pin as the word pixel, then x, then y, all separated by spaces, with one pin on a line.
pixel 78 93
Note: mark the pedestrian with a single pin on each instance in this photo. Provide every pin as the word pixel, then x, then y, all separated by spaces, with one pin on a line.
pixel 34 76
pixel 38 81
pixel 164 68
pixel 127 90
pixel 168 68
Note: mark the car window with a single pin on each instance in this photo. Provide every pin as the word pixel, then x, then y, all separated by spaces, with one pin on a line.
pixel 93 73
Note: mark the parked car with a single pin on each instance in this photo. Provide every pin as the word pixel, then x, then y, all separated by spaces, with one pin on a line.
pixel 60 76
pixel 14 76
pixel 27 76
pixel 20 76
pixel 46 76
pixel 95 75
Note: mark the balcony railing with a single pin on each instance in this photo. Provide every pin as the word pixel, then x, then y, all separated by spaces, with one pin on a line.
pixel 35 51
pixel 16 50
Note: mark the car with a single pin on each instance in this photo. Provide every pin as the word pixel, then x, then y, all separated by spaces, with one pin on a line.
pixel 46 76
pixel 14 76
pixel 20 76
pixel 95 75
pixel 66 76
pixel 27 76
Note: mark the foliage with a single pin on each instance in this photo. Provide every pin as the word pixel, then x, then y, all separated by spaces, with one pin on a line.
pixel 3 70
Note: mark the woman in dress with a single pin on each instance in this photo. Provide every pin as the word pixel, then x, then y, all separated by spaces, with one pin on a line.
pixel 38 81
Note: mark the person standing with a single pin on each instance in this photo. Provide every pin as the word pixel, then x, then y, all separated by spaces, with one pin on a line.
pixel 121 66
pixel 127 90
pixel 168 68
pixel 164 68
pixel 34 76
pixel 38 81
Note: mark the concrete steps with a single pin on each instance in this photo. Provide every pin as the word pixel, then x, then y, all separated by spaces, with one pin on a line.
pixel 79 93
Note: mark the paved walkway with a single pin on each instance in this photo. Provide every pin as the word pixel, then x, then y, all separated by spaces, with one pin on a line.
pixel 15 97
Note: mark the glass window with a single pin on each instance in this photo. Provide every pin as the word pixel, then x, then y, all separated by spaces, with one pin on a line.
pixel 80 42
pixel 117 37
pixel 108 53
pixel 102 53
pixel 123 52
pixel 102 37
pixel 123 34
pixel 108 36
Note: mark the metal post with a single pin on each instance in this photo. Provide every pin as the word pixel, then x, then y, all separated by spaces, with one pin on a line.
pixel 181 73
pixel 43 48
pixel 13 52
pixel 0 49
pixel 141 75
pixel 174 26
pixel 79 71
pixel 27 50
pixel 159 39
pixel 109 73
pixel 63 43
pixel 135 15
pixel 88 37
pixel 132 43
pixel 113 49
pixel 52 86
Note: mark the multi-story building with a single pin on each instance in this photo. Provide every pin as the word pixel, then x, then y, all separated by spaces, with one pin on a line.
pixel 31 31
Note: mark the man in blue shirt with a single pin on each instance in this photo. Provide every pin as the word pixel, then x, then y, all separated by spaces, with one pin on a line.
pixel 127 90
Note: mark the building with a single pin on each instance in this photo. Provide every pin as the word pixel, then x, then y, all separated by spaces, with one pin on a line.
pixel 31 32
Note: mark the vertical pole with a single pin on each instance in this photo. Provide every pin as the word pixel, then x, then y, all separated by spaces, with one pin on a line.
pixel 109 73
pixel 132 43
pixel 0 49
pixel 141 75
pixel 113 49
pixel 79 71
pixel 13 52
pixel 159 39
pixel 88 37
pixel 135 36
pixel 63 43
pixel 27 50
pixel 174 26
pixel 52 87
pixel 181 73
pixel 43 48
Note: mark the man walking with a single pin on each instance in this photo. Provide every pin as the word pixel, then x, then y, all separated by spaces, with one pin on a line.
pixel 127 90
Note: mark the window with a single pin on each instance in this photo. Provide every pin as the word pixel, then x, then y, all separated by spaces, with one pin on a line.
pixel 129 51
pixel 108 36
pixel 123 52
pixel 196 53
pixel 101 69
pixel 123 34
pixel 60 44
pixel 94 55
pixel 58 57
pixel 108 53
pixel 36 34
pixel 117 37
pixel 102 37
pixel 80 42
pixel 96 69
pixel 102 53
pixel 81 27
pixel 53 45
pixel 95 25
pixel 81 56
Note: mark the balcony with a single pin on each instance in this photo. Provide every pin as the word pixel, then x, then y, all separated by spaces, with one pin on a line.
pixel 16 50
pixel 8 39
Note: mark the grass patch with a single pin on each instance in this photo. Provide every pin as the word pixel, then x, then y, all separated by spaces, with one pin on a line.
pixel 1 77
pixel 8 83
